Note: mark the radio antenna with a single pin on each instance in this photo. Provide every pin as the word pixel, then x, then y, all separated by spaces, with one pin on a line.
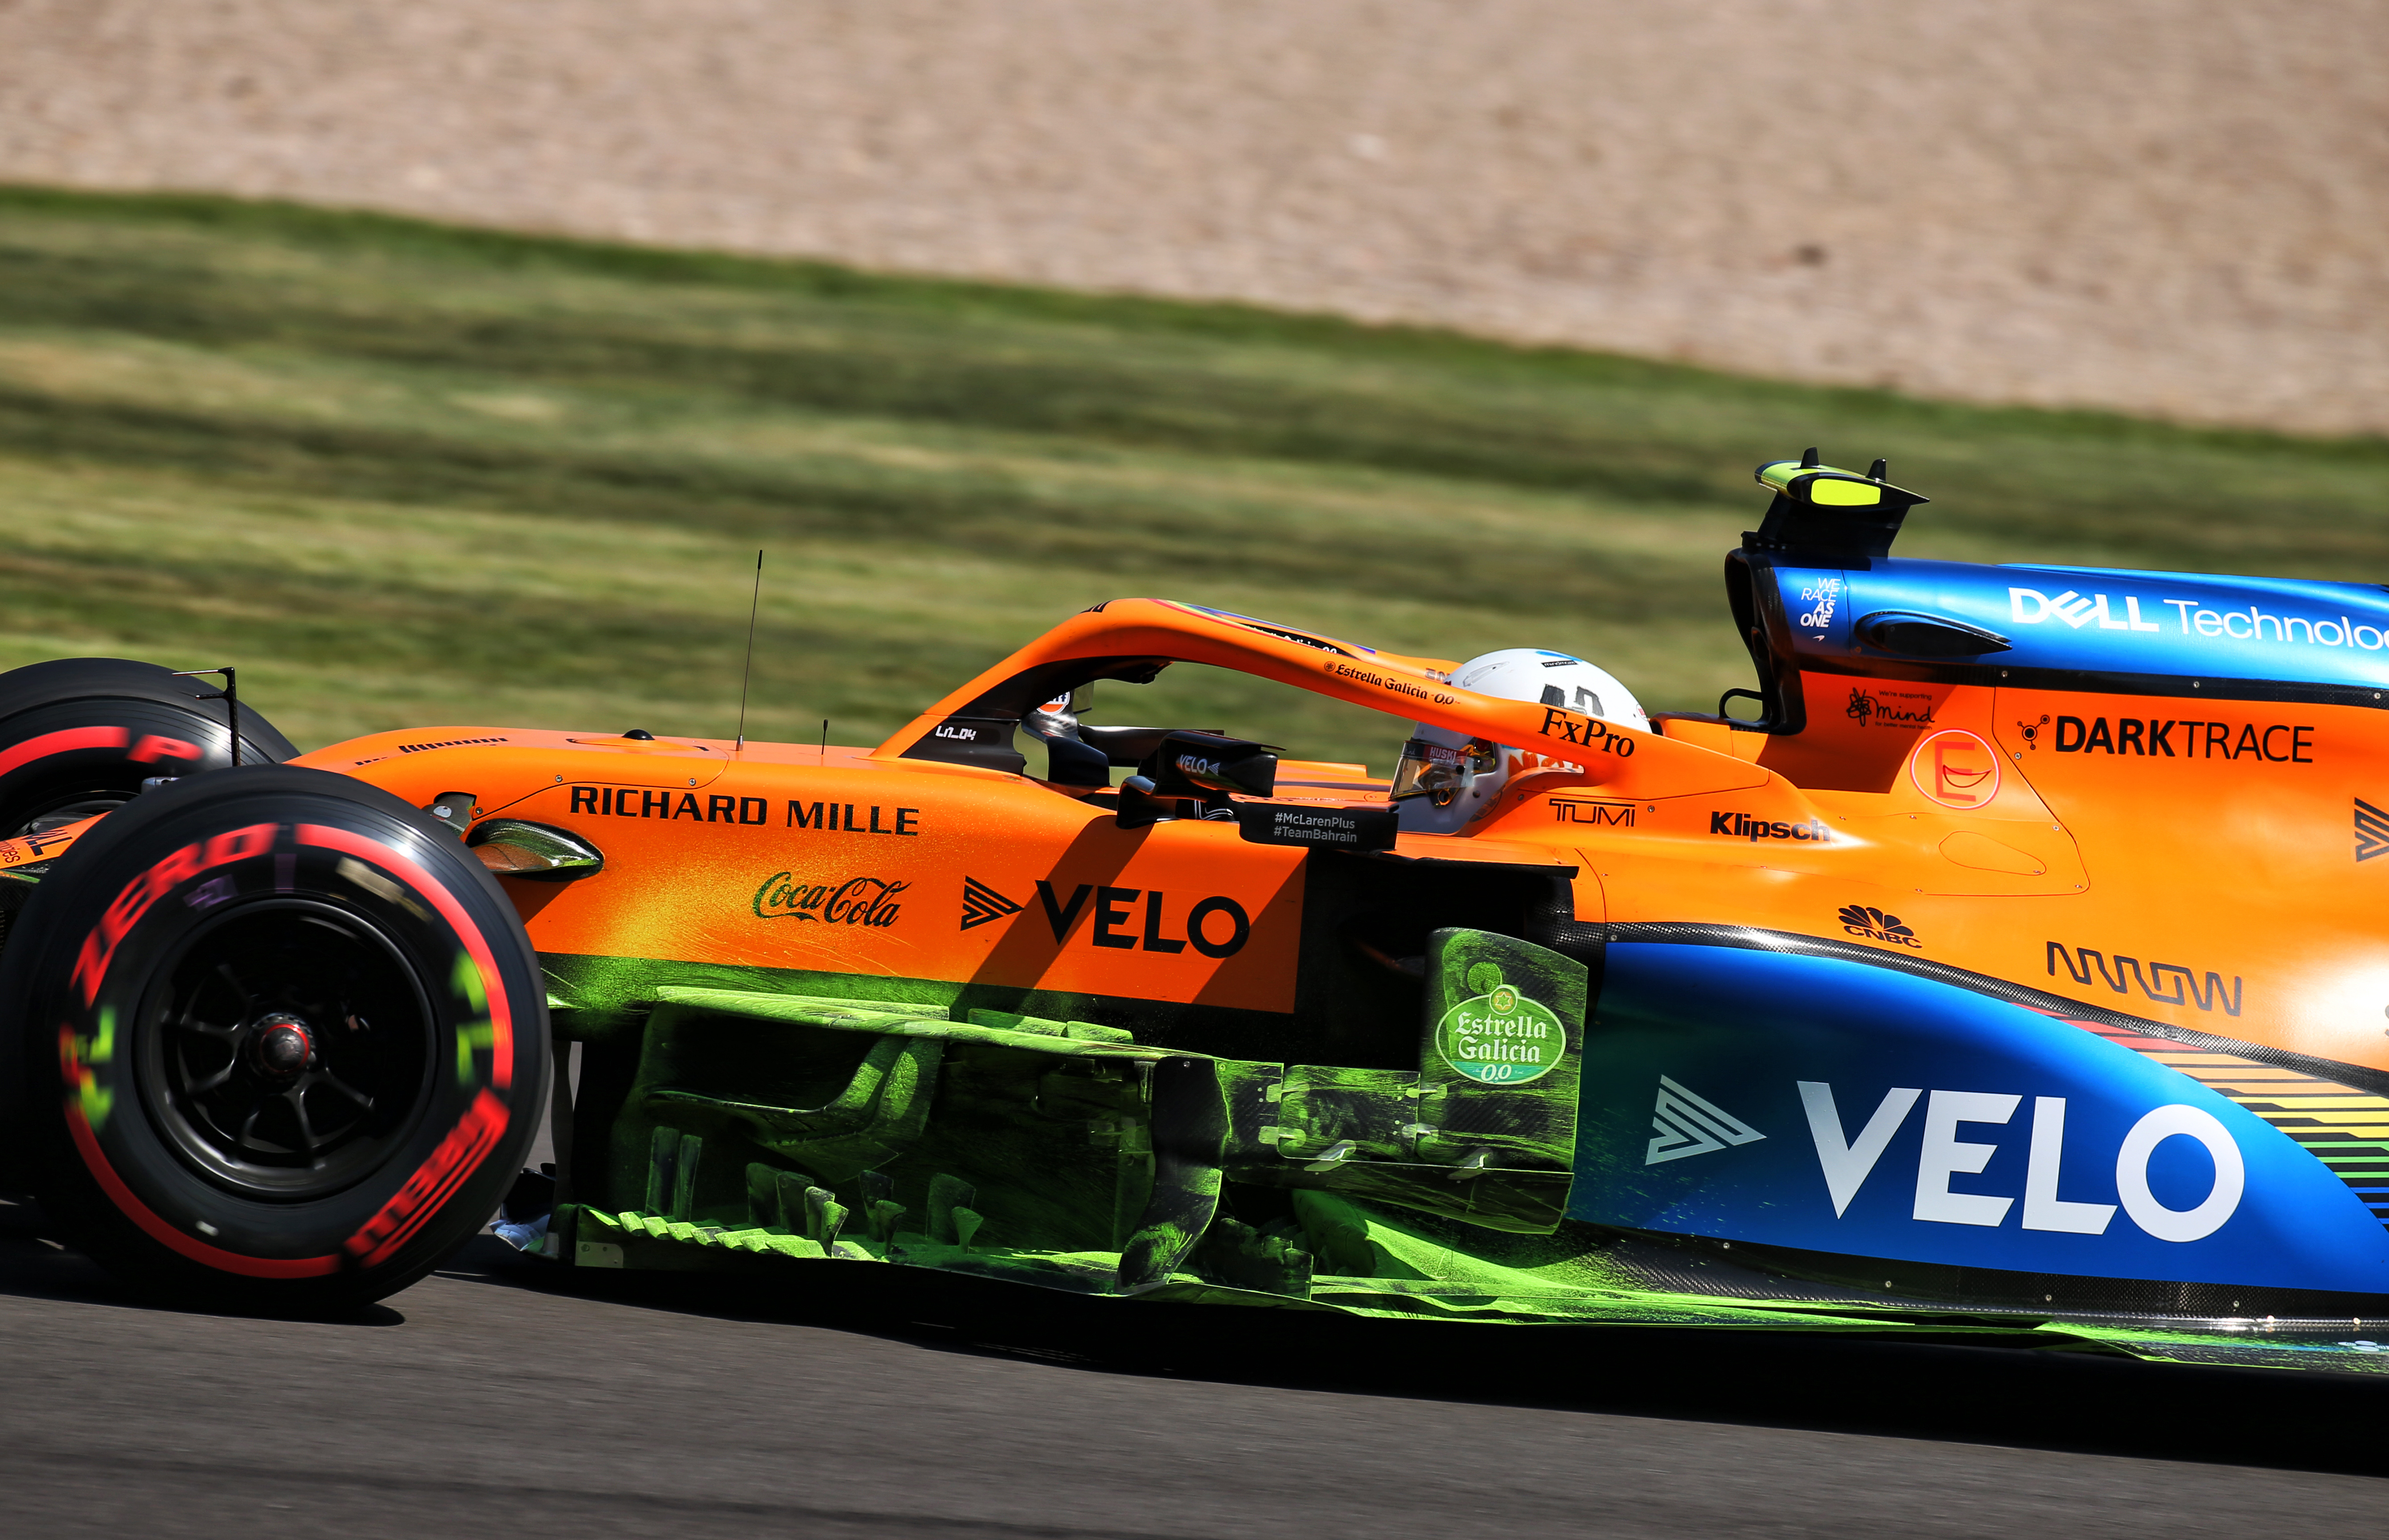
pixel 229 694
pixel 746 676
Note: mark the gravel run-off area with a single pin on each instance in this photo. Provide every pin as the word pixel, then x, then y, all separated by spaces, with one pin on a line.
pixel 2168 207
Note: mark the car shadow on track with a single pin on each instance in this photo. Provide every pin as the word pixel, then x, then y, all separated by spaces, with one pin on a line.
pixel 35 1265
pixel 2054 1400
pixel 2064 1400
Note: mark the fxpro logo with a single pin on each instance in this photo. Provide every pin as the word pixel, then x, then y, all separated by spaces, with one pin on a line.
pixel 1847 1161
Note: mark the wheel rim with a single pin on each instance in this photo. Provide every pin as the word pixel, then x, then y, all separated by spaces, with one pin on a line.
pixel 56 812
pixel 289 1050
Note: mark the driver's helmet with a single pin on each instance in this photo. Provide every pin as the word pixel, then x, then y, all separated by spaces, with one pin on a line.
pixel 1446 780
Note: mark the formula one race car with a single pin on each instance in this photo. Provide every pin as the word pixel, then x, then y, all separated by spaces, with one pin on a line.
pixel 2013 972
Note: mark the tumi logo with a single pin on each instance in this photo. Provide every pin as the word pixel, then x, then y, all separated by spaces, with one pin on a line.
pixel 1744 826
pixel 2083 965
pixel 1875 925
pixel 1846 1162
pixel 1216 926
pixel 1615 815
pixel 2153 738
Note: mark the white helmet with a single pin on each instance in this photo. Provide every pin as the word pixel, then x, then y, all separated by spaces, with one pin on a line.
pixel 1447 780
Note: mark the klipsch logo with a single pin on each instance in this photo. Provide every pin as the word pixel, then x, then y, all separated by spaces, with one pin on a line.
pixel 1688 1125
pixel 1875 925
pixel 1744 826
pixel 1890 708
pixel 2371 831
pixel 983 905
pixel 2165 983
pixel 856 901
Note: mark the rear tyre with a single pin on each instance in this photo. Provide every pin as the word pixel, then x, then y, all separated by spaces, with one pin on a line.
pixel 283 1042
pixel 79 735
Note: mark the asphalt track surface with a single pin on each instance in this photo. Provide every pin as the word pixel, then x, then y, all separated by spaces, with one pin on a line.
pixel 500 1396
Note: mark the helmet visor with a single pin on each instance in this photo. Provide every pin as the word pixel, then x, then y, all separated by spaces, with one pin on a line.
pixel 1440 772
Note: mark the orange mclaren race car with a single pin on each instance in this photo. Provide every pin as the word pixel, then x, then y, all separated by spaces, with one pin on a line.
pixel 2013 967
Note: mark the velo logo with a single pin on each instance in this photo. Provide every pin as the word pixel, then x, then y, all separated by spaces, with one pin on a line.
pixel 1689 1124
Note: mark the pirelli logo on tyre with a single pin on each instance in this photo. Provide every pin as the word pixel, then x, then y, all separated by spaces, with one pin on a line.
pixel 434 1182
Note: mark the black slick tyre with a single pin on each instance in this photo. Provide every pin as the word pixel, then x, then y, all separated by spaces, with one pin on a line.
pixel 282 1041
pixel 79 735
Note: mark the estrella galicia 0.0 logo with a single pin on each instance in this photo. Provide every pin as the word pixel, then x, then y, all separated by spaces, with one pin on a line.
pixel 1497 1037
pixel 856 901
pixel 1875 925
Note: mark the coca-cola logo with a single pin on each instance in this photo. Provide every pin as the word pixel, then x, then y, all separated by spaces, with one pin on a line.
pixel 855 902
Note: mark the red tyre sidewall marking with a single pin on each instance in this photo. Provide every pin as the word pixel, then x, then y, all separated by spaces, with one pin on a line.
pixel 501 1026
pixel 165 1234
pixel 134 899
pixel 433 1182
pixel 128 906
pixel 459 1155
pixel 64 741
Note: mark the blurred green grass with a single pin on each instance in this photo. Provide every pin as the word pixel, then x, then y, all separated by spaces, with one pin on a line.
pixel 406 473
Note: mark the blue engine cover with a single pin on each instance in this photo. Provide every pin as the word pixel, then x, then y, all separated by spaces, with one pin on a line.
pixel 2098 621
pixel 1809 1102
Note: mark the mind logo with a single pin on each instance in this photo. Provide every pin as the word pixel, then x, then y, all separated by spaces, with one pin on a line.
pixel 1497 1036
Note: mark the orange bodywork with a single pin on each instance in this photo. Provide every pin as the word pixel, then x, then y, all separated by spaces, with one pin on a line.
pixel 1935 823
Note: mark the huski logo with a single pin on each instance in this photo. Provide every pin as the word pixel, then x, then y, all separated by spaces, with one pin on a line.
pixel 2371 831
pixel 1875 925
pixel 1689 1124
pixel 983 905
